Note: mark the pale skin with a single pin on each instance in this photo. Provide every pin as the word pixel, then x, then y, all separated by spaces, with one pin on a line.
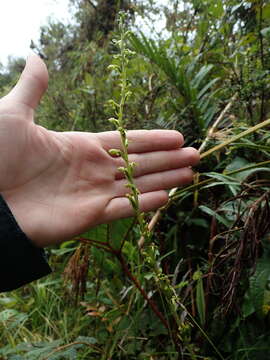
pixel 58 185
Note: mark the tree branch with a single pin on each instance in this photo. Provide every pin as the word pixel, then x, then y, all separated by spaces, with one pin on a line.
pixel 93 5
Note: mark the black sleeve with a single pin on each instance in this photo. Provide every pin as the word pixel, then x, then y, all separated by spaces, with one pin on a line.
pixel 20 261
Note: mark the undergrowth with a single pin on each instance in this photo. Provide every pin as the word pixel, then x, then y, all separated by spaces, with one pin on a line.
pixel 190 281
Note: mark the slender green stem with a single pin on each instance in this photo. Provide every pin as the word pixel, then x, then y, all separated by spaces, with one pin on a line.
pixel 208 181
pixel 235 138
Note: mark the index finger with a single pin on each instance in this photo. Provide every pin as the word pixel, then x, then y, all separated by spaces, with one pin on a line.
pixel 141 141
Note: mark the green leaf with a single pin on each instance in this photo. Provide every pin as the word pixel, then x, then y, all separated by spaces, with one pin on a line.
pixel 200 299
pixel 238 163
pixel 217 8
pixel 207 87
pixel 199 77
pixel 115 233
pixel 224 180
pixel 266 11
pixel 265 31
pixel 259 287
pixel 12 318
pixel 213 213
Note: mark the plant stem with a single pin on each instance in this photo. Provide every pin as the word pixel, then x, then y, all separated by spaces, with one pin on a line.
pixel 217 122
pixel 236 137
pixel 142 291
pixel 227 173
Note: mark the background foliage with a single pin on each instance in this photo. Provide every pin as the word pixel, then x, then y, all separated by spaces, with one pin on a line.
pixel 200 288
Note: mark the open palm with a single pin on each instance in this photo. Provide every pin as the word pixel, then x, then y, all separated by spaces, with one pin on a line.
pixel 60 184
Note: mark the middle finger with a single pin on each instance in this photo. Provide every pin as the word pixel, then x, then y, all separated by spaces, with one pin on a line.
pixel 148 163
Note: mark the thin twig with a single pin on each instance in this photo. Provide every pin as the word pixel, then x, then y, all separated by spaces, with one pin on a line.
pixel 235 138
pixel 151 225
pixel 91 3
pixel 217 122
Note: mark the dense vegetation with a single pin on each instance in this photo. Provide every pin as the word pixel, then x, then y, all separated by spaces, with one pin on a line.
pixel 199 287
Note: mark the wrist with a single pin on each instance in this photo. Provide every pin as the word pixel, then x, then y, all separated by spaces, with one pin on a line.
pixel 19 217
pixel 21 261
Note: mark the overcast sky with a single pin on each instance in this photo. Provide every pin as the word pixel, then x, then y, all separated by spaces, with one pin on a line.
pixel 20 23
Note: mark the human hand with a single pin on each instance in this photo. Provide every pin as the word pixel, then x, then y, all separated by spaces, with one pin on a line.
pixel 60 184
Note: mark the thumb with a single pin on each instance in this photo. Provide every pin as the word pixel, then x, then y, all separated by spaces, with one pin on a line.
pixel 32 84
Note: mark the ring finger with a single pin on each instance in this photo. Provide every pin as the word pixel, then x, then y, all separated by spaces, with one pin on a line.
pixel 159 161
pixel 157 181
